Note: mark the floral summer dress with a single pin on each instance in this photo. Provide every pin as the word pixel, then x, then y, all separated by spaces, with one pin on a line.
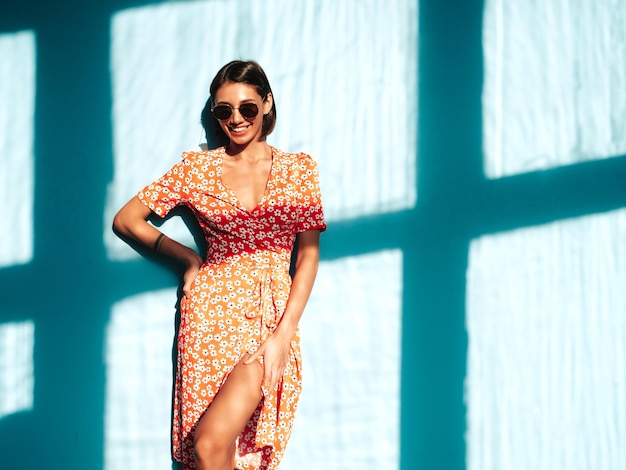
pixel 239 294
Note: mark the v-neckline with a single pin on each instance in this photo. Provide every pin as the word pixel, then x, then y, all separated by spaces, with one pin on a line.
pixel 233 195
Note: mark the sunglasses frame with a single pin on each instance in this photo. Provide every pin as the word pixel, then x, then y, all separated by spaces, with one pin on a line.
pixel 232 110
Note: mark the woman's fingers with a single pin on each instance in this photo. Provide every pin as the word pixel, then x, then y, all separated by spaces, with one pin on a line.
pixel 268 377
pixel 274 363
pixel 188 278
pixel 273 372
pixel 253 357
pixel 187 287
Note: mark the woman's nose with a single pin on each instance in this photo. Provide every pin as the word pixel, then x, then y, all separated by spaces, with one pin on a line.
pixel 236 116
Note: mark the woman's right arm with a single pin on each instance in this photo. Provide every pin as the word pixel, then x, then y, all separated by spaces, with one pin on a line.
pixel 131 221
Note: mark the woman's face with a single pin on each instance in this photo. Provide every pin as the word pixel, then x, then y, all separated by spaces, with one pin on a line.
pixel 239 100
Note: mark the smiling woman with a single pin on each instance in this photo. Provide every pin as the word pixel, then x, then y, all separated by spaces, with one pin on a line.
pixel 157 83
pixel 238 377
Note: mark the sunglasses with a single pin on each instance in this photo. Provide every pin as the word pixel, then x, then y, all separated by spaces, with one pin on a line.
pixel 222 112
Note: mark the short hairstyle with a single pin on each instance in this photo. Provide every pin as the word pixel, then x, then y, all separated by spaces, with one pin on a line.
pixel 238 71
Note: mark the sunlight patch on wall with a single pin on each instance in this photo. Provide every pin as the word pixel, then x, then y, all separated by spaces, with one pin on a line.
pixel 349 101
pixel 555 83
pixel 17 378
pixel 349 414
pixel 17 95
pixel 139 372
pixel 350 406
pixel 547 347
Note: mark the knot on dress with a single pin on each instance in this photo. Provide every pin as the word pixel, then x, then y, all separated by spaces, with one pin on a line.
pixel 266 305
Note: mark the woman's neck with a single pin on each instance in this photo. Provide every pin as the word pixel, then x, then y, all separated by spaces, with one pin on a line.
pixel 252 151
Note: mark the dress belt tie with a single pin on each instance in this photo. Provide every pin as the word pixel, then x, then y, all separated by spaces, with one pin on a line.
pixel 266 306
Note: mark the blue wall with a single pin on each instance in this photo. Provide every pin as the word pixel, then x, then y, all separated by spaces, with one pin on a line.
pixel 69 287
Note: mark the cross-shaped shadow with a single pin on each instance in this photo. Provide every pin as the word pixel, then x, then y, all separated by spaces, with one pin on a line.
pixel 70 285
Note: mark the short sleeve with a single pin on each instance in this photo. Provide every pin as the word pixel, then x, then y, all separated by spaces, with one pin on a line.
pixel 169 191
pixel 311 213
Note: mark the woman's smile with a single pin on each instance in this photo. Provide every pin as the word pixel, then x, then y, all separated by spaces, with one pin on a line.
pixel 238 129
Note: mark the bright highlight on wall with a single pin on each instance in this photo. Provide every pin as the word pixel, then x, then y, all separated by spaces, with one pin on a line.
pixel 555 86
pixel 17 380
pixel 547 356
pixel 330 95
pixel 351 340
pixel 163 58
pixel 351 345
pixel 17 95
pixel 139 382
pixel 545 305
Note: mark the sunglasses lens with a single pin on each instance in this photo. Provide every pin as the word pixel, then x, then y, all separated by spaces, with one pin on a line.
pixel 222 112
pixel 249 110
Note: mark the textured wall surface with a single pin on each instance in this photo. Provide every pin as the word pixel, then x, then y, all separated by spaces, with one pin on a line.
pixel 546 365
pixel 555 83
pixel 350 102
pixel 17 95
pixel 350 341
pixel 469 310
pixel 331 96
pixel 546 304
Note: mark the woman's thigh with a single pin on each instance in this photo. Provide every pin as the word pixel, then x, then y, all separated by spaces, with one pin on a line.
pixel 233 404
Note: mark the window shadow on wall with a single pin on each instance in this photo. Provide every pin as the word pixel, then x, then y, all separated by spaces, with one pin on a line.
pixel 70 286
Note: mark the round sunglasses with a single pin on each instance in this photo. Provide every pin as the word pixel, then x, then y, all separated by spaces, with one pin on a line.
pixel 222 112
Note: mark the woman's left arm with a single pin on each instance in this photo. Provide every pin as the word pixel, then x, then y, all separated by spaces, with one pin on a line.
pixel 275 350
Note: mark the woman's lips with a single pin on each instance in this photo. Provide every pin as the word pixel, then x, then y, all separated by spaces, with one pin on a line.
pixel 238 129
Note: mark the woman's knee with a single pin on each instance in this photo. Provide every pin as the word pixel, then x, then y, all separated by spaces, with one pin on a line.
pixel 209 447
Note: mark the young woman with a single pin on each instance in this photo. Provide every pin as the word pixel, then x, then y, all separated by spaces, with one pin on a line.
pixel 239 367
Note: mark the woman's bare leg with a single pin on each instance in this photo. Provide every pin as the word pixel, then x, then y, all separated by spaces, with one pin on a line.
pixel 226 417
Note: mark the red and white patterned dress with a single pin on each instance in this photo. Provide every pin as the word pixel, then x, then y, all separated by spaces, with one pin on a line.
pixel 240 293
